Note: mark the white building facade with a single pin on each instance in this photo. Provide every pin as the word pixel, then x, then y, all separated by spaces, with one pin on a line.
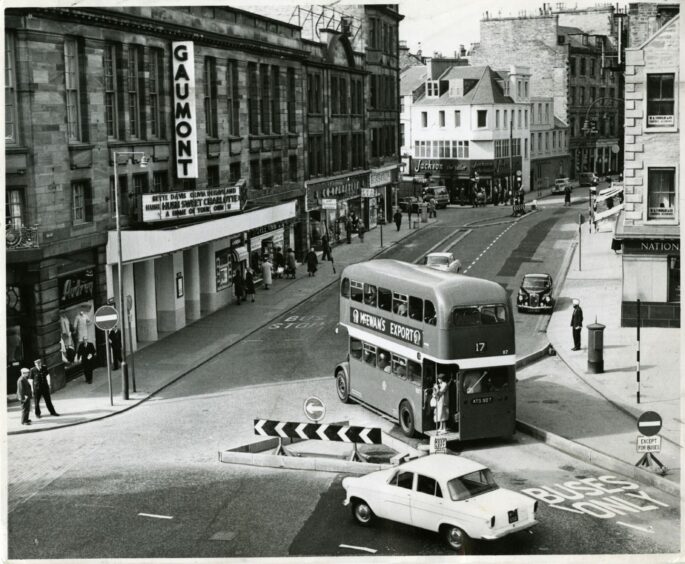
pixel 549 144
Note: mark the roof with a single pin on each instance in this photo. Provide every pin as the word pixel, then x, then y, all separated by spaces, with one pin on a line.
pixel 443 467
pixel 486 90
pixel 411 78
pixel 642 231
pixel 447 287
pixel 559 122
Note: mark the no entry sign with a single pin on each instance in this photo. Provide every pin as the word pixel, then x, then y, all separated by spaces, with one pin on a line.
pixel 106 317
pixel 649 423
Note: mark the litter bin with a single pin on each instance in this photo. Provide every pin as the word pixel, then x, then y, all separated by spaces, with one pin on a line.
pixel 423 212
pixel 595 347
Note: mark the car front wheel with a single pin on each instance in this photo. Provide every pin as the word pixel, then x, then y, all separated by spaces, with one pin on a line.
pixel 341 386
pixel 362 512
pixel 457 539
pixel 407 419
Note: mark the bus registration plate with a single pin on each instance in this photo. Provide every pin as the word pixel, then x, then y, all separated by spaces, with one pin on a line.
pixel 486 399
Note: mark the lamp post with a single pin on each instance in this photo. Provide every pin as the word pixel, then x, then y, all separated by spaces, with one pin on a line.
pixel 124 365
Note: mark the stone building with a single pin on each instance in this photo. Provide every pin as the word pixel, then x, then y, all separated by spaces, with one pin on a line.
pixel 568 52
pixel 199 125
pixel 549 158
pixel 649 225
pixel 468 127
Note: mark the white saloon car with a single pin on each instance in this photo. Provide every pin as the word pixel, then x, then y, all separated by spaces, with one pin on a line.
pixel 443 261
pixel 448 494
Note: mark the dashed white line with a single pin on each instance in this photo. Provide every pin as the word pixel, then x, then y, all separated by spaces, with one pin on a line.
pixel 650 530
pixel 155 516
pixel 371 550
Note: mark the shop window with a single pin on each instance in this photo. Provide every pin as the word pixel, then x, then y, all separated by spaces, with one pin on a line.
pixel 14 208
pixel 76 293
pixel 674 279
pixel 156 94
pixel 661 193
pixel 15 346
pixel 11 133
pixel 210 97
pixel 223 270
pixel 660 100
pixel 82 202
pixel 482 118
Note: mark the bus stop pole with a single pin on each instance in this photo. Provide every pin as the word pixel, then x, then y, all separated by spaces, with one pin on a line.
pixel 580 243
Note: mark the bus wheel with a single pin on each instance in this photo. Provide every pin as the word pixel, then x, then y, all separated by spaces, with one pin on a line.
pixel 407 419
pixel 341 386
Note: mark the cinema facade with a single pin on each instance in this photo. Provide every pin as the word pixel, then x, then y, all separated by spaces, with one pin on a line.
pixel 202 108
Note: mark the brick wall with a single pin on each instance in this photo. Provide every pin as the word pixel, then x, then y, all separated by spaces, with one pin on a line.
pixel 643 146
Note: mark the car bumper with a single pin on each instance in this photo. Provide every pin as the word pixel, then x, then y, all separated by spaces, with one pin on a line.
pixel 540 307
pixel 509 530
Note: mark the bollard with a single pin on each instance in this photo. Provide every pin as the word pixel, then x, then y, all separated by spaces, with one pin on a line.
pixel 423 212
pixel 595 347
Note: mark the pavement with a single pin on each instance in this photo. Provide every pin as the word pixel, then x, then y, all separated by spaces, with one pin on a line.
pixel 558 396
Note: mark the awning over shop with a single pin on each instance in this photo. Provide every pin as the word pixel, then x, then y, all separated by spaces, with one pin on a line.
pixel 141 245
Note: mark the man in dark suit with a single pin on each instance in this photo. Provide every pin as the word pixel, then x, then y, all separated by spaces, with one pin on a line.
pixel 576 324
pixel 41 387
pixel 24 395
pixel 86 355
pixel 115 344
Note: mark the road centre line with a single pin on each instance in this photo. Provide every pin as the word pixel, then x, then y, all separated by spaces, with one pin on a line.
pixel 650 531
pixel 371 550
pixel 155 516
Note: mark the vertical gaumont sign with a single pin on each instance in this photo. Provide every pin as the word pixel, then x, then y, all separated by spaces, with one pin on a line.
pixel 183 67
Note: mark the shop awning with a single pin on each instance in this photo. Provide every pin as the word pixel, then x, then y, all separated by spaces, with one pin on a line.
pixel 141 245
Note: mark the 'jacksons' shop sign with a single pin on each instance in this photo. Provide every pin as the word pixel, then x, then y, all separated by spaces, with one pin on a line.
pixel 387 327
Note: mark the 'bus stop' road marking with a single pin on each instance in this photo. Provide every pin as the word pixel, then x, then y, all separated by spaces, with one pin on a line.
pixel 371 550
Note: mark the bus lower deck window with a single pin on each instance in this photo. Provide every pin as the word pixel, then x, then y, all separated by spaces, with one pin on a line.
pixel 414 372
pixel 369 354
pixel 384 360
pixel 355 348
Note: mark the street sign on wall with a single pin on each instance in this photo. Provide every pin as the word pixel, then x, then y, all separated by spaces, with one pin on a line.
pixel 329 203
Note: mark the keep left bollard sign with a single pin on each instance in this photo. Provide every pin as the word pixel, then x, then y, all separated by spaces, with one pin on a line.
pixel 322 432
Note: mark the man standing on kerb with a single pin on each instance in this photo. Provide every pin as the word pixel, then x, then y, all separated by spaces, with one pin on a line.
pixel 576 324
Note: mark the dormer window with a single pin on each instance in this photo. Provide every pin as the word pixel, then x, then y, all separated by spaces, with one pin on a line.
pixel 432 88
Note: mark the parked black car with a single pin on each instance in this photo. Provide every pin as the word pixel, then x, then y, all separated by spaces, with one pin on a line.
pixel 404 204
pixel 535 293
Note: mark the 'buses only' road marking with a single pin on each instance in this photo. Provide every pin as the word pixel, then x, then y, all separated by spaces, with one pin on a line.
pixel 155 516
pixel 371 550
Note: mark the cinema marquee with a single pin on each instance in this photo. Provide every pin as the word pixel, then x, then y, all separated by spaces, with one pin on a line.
pixel 183 67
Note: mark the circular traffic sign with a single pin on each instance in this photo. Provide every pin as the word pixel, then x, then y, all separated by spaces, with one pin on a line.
pixel 106 317
pixel 314 409
pixel 649 423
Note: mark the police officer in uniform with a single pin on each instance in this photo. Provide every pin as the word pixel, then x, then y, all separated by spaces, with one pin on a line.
pixel 41 387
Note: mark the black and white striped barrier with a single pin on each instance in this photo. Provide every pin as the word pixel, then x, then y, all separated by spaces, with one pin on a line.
pixel 318 431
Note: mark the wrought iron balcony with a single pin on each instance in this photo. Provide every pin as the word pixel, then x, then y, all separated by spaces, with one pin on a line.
pixel 23 237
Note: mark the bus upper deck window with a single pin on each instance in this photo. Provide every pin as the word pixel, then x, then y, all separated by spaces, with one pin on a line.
pixel 356 291
pixel 466 316
pixel 370 294
pixel 429 312
pixel 345 288
pixel 415 308
pixel 384 299
pixel 492 314
pixel 399 304
pixel 355 348
pixel 369 354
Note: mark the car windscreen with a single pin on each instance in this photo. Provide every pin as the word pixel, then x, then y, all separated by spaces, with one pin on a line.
pixel 471 485
pixel 535 283
pixel 437 260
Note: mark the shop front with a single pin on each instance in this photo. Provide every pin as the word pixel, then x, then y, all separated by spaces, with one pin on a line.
pixel 383 182
pixel 346 191
pixel 651 274
pixel 453 173
pixel 176 276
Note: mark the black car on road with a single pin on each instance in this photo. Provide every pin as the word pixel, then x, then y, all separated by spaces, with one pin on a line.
pixel 535 293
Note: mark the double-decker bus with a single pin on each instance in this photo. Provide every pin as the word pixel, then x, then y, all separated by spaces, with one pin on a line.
pixel 409 324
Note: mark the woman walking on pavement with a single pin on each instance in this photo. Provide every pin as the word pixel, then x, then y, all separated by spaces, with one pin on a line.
pixel 249 284
pixel 398 219
pixel 267 270
pixel 360 231
pixel 312 262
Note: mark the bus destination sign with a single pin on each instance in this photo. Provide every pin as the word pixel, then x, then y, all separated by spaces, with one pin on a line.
pixel 387 327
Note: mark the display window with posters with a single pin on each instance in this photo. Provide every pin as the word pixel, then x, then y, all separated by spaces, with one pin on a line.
pixel 76 315
pixel 223 269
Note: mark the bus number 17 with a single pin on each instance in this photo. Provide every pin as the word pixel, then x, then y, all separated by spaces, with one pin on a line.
pixel 480 347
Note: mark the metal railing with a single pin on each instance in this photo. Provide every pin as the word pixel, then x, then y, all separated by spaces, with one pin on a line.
pixel 23 237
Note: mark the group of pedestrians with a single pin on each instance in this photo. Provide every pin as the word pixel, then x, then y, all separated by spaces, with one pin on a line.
pixel 34 384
